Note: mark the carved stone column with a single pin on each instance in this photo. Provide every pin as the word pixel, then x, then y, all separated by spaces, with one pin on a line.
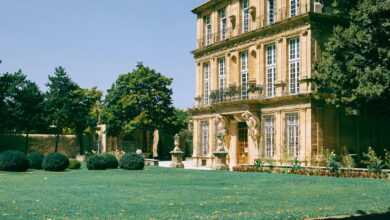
pixel 253 123
pixel 221 133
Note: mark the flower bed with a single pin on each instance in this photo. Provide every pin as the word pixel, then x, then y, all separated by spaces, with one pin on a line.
pixel 315 171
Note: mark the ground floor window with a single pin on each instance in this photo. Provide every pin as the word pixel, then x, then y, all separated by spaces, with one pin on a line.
pixel 269 135
pixel 292 130
pixel 205 138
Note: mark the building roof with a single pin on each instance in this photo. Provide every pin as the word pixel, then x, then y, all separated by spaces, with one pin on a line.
pixel 206 5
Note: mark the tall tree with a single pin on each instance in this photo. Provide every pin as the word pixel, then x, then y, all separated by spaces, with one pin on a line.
pixel 59 101
pixel 138 100
pixel 354 70
pixel 84 103
pixel 23 103
pixel 8 83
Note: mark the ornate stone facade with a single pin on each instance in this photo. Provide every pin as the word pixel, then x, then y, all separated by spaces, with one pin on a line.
pixel 254 62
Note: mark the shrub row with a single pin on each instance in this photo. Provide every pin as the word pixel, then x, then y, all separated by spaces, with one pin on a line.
pixel 18 162
pixel 129 161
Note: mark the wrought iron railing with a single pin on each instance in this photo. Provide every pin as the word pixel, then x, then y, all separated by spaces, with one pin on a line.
pixel 230 94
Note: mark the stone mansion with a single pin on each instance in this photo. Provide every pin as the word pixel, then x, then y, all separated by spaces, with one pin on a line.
pixel 254 63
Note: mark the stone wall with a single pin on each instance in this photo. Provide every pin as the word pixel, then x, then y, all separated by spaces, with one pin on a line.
pixel 43 143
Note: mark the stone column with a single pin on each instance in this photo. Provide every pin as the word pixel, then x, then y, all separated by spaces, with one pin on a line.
pixel 195 143
pixel 233 144
pixel 220 152
pixel 253 123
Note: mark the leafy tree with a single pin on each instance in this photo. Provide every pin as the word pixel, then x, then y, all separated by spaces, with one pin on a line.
pixel 22 104
pixel 354 70
pixel 138 100
pixel 8 83
pixel 59 101
pixel 84 103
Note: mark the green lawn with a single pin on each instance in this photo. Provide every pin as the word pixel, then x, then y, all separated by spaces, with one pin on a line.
pixel 158 193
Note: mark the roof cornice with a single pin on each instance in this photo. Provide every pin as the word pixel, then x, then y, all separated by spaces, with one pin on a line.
pixel 206 5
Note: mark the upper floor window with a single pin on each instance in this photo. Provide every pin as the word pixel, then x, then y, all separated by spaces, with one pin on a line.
pixel 294 7
pixel 271 11
pixel 269 135
pixel 205 137
pixel 245 15
pixel 221 77
pixel 222 24
pixel 271 70
pixel 207 30
pixel 292 131
pixel 206 83
pixel 294 63
pixel 244 74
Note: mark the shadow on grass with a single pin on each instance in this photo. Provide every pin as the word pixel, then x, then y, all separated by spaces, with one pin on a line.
pixel 362 215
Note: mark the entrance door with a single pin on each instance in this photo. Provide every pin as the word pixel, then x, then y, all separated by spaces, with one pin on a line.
pixel 242 145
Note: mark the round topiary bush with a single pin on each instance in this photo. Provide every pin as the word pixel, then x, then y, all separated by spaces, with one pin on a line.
pixel 74 164
pixel 96 162
pixel 111 161
pixel 55 162
pixel 35 160
pixel 13 161
pixel 132 161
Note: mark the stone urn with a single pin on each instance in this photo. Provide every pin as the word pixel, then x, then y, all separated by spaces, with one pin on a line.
pixel 177 154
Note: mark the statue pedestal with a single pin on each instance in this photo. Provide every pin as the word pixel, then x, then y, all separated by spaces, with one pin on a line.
pixel 220 160
pixel 177 158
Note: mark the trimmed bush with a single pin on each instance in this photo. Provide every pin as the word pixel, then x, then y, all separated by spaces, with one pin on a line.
pixel 111 161
pixel 132 161
pixel 96 162
pixel 13 161
pixel 55 162
pixel 74 164
pixel 35 160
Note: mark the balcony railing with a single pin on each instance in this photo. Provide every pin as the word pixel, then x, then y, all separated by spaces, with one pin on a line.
pixel 259 22
pixel 231 94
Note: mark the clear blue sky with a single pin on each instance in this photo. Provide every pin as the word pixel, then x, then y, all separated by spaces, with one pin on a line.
pixel 96 40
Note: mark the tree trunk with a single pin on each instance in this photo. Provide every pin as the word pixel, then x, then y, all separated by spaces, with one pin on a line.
pixel 57 141
pixel 26 142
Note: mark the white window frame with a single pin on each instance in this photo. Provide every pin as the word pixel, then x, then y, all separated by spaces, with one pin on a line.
pixel 207 30
pixel 271 11
pixel 245 20
pixel 270 70
pixel 222 24
pixel 294 65
pixel 292 134
pixel 269 135
pixel 206 83
pixel 204 138
pixel 221 77
pixel 294 8
pixel 244 74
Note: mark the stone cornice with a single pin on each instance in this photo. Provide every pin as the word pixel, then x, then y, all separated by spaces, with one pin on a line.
pixel 206 5
pixel 251 105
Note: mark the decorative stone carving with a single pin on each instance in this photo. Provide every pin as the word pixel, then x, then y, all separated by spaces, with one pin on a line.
pixel 177 154
pixel 221 132
pixel 222 138
pixel 253 124
pixel 233 21
pixel 252 12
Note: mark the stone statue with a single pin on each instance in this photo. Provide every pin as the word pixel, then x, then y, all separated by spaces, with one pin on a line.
pixel 221 132
pixel 253 124
pixel 177 154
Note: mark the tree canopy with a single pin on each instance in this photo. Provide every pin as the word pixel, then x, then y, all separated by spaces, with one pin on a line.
pixel 354 70
pixel 140 99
